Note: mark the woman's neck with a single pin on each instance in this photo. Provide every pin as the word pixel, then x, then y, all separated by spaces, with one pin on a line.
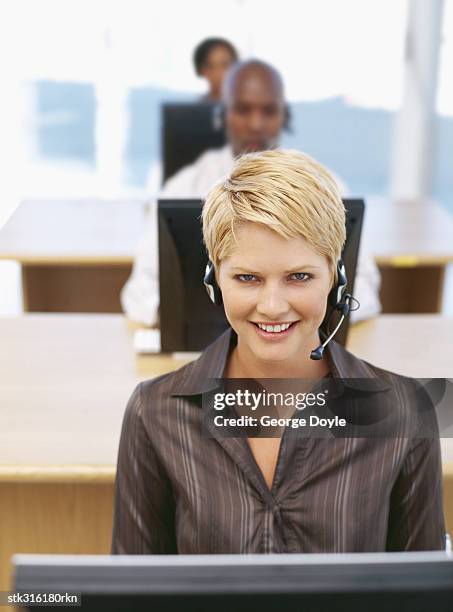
pixel 244 365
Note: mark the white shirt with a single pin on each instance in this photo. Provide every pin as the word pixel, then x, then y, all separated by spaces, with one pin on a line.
pixel 140 295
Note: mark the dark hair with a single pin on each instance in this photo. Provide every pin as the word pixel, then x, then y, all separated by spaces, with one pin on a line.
pixel 203 49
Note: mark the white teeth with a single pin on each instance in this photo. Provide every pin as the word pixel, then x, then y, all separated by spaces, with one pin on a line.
pixel 274 328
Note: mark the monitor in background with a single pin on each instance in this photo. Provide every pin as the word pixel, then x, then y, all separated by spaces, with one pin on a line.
pixel 187 131
pixel 188 319
pixel 394 582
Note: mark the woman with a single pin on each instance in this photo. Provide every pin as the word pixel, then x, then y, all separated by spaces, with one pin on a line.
pixel 274 230
pixel 212 58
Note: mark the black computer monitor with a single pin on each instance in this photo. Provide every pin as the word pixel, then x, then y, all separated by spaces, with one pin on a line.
pixel 375 582
pixel 188 319
pixel 187 131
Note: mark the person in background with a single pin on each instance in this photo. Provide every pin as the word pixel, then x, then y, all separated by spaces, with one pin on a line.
pixel 212 58
pixel 255 113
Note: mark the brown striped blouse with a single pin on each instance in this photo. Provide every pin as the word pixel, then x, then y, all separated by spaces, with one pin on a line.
pixel 179 490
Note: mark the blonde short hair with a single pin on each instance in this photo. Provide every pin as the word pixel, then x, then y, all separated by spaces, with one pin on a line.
pixel 285 190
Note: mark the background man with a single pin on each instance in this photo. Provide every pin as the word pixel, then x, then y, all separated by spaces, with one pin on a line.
pixel 255 112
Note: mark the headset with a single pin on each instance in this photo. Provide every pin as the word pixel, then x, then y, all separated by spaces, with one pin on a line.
pixel 338 299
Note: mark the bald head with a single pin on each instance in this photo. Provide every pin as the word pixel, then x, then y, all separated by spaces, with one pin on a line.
pixel 254 106
pixel 252 74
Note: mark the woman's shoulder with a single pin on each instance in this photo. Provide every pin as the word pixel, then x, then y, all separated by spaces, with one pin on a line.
pixel 347 365
pixel 405 393
pixel 192 379
pixel 166 384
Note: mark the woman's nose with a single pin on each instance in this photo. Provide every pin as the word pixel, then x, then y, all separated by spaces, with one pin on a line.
pixel 272 304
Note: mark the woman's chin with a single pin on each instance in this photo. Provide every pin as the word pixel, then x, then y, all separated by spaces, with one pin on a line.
pixel 275 354
pixel 280 352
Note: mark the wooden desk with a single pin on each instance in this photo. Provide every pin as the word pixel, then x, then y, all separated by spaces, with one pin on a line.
pixel 412 244
pixel 65 381
pixel 413 345
pixel 75 255
pixel 64 386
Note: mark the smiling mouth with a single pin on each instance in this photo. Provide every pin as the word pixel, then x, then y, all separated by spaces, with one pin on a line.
pixel 276 329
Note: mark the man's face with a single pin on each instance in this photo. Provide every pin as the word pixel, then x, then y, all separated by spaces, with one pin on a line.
pixel 254 113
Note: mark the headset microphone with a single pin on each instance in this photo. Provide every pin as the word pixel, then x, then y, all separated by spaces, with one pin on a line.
pixel 339 300
pixel 318 352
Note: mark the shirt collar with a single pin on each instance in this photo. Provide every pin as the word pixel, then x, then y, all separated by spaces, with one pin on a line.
pixel 199 376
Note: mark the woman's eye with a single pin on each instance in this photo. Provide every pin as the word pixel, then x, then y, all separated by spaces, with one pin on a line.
pixel 300 276
pixel 245 278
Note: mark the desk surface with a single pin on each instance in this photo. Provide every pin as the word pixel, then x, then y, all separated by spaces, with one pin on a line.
pixel 73 231
pixel 107 231
pixel 66 379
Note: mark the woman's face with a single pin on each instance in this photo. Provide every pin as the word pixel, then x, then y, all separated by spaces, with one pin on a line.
pixel 272 281
pixel 217 63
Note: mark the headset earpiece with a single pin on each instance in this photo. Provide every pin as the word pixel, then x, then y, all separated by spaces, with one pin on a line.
pixel 337 292
pixel 211 285
pixel 339 300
